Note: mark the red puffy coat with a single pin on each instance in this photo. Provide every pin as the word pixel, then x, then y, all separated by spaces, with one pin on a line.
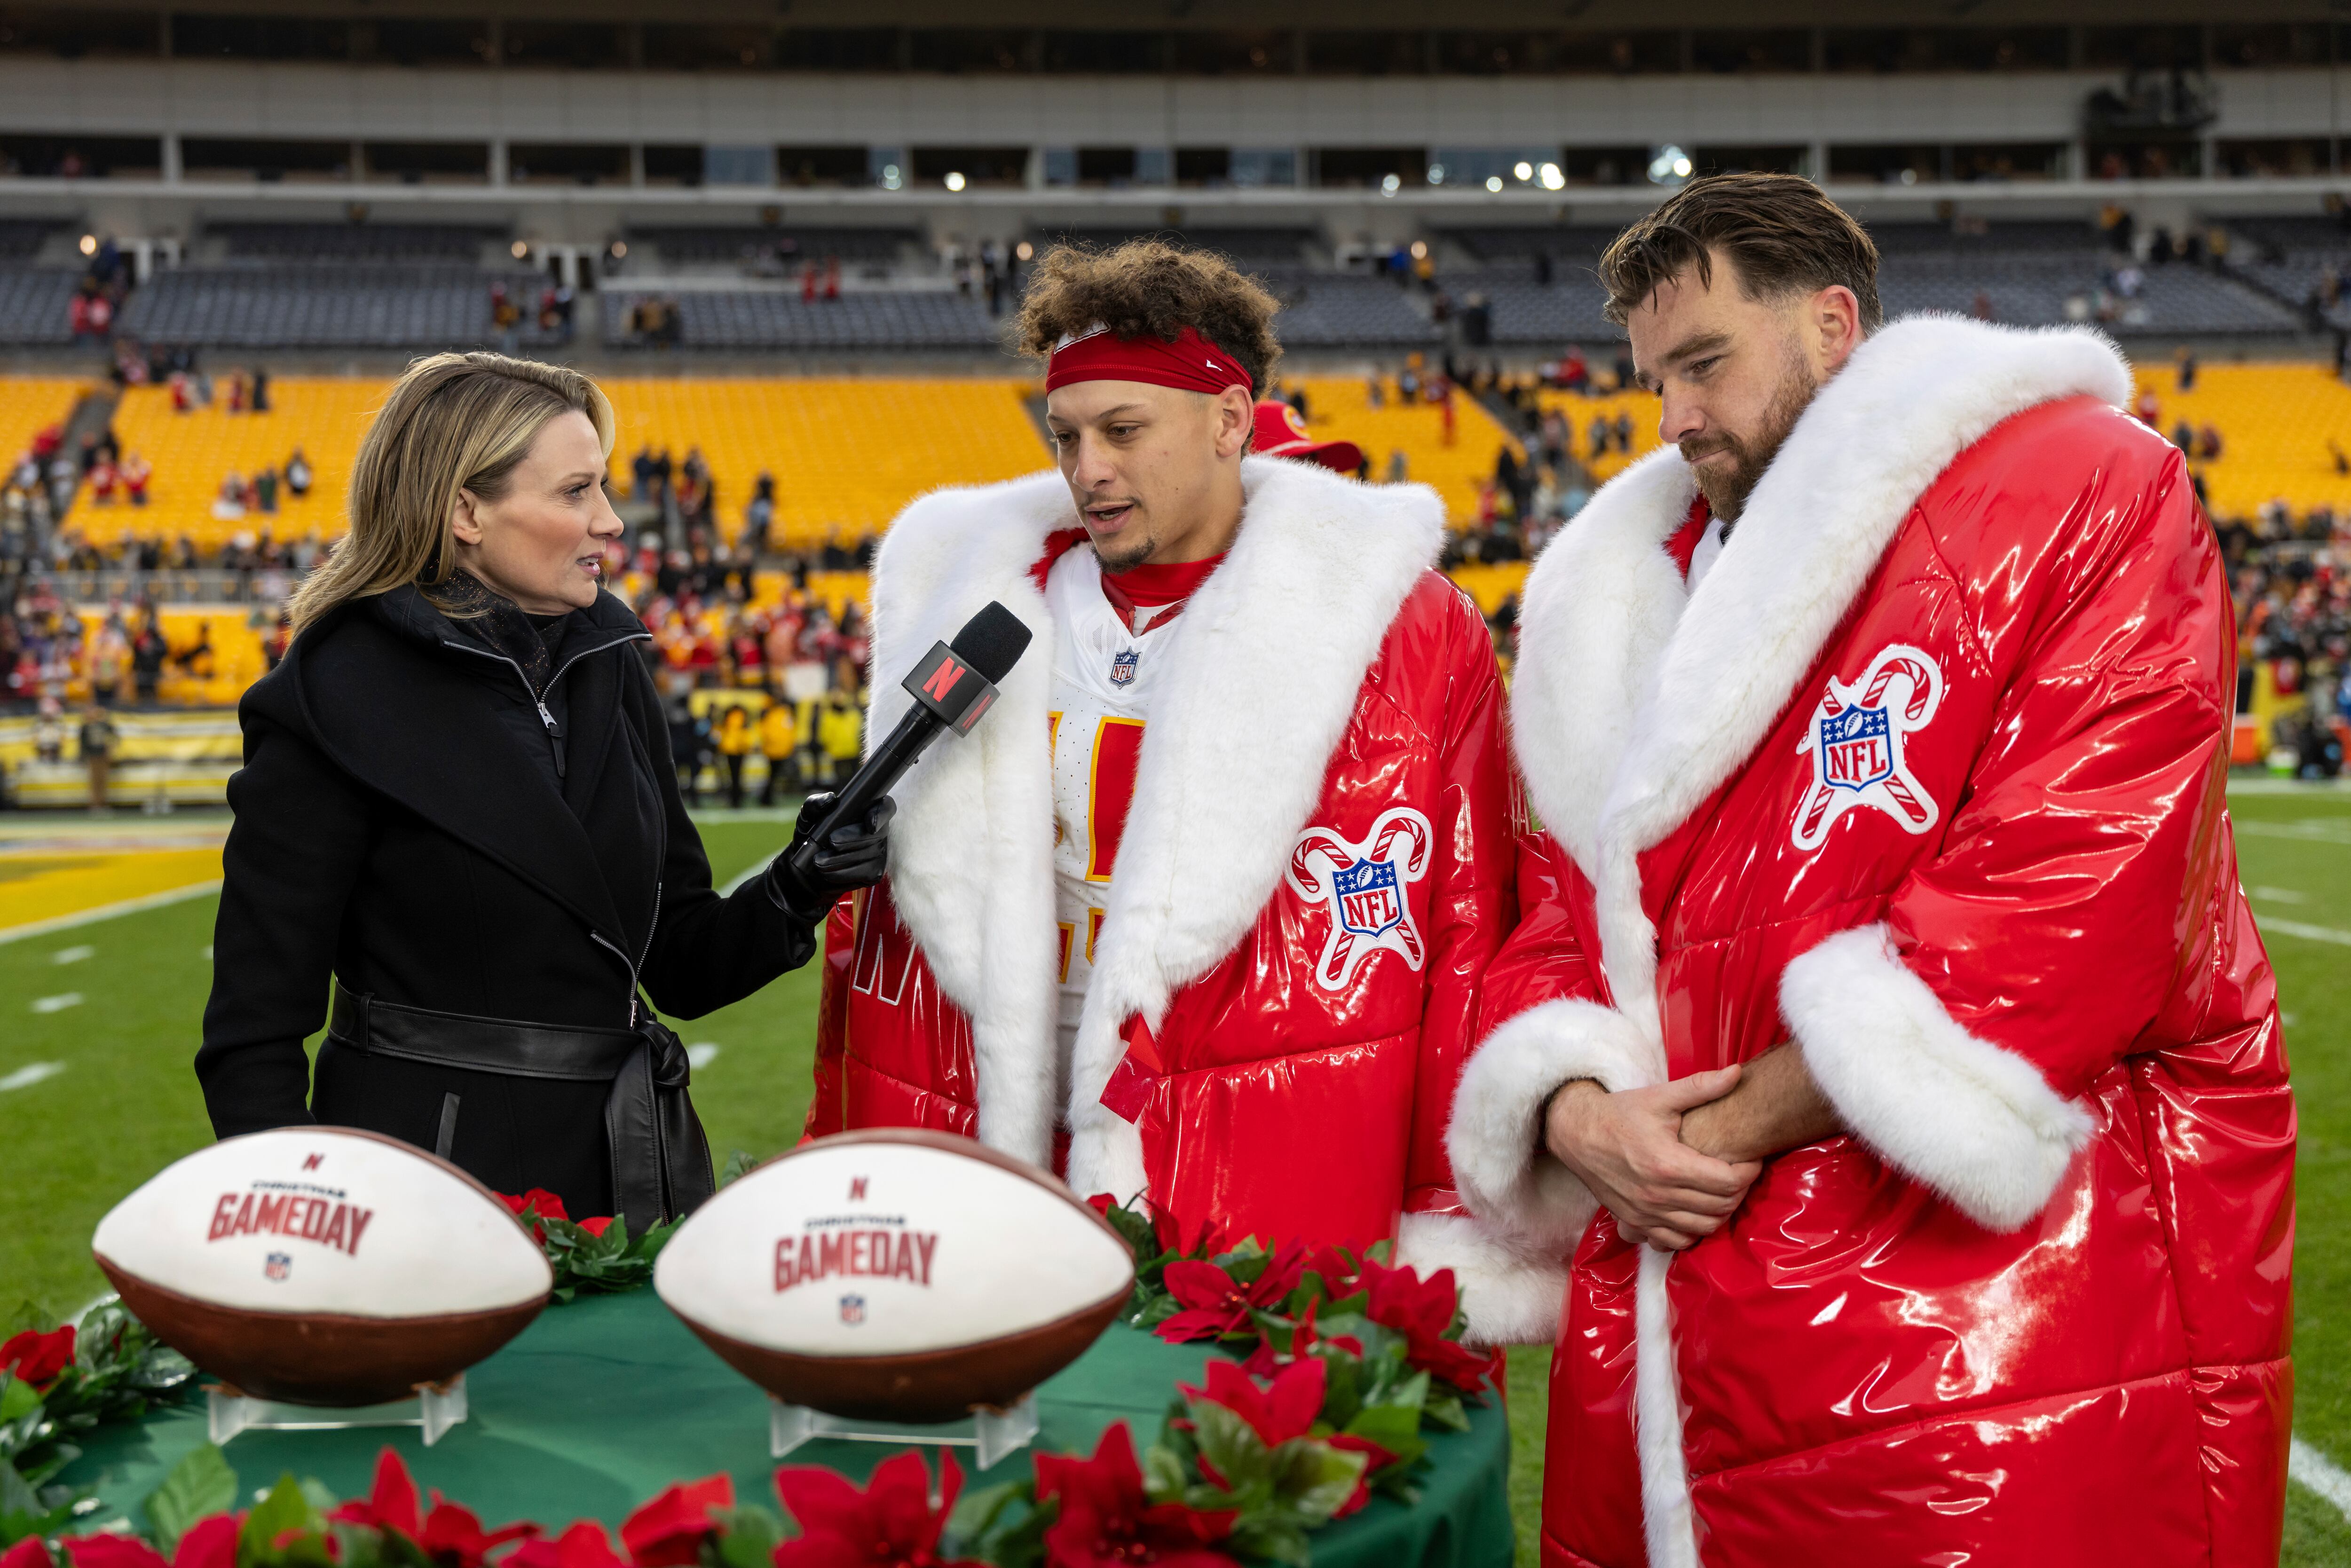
pixel 1321 680
pixel 1927 774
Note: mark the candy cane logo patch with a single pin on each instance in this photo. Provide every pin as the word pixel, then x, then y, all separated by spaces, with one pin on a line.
pixel 1363 885
pixel 1857 739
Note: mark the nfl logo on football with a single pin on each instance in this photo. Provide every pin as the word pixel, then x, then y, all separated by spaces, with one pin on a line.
pixel 278 1266
pixel 852 1309
pixel 1122 667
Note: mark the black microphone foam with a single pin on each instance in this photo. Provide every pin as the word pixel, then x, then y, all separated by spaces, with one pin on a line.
pixel 992 641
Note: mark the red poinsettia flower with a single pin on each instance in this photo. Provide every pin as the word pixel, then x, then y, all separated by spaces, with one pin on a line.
pixel 1266 1362
pixel 1107 1523
pixel 37 1358
pixel 391 1504
pixel 29 1553
pixel 1422 1310
pixel 670 1529
pixel 1215 1304
pixel 597 1226
pixel 109 1551
pixel 210 1542
pixel 1376 1458
pixel 545 1204
pixel 1338 1270
pixel 583 1545
pixel 1277 1413
pixel 453 1536
pixel 889 1524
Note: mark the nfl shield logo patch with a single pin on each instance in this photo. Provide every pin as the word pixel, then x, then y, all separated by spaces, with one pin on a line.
pixel 1362 887
pixel 1856 740
pixel 1368 904
pixel 1122 667
pixel 852 1309
pixel 278 1266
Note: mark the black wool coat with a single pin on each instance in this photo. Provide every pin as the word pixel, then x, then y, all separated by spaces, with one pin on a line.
pixel 401 822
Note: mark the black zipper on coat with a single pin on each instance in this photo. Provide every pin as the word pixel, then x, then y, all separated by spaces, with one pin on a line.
pixel 554 738
pixel 538 699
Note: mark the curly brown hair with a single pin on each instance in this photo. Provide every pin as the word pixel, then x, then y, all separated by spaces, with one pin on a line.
pixel 1150 286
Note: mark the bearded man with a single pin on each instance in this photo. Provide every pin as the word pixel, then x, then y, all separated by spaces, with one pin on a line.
pixel 1885 981
pixel 1198 916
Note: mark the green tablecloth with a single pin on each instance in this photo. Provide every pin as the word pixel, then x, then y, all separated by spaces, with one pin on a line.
pixel 600 1404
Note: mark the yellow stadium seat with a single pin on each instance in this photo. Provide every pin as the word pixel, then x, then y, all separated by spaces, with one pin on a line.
pixel 29 404
pixel 1641 408
pixel 846 454
pixel 194 451
pixel 1340 409
pixel 2274 421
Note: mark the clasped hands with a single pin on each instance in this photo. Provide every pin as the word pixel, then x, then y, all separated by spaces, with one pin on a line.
pixel 1673 1162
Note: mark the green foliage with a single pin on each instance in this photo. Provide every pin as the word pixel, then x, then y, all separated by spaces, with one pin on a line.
pixel 200 1483
pixel 118 1373
pixel 1003 1524
pixel 748 1536
pixel 587 1263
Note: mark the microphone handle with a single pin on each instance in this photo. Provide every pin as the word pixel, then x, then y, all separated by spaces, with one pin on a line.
pixel 874 778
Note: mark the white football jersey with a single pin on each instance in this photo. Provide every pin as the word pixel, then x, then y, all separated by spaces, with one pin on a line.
pixel 1102 677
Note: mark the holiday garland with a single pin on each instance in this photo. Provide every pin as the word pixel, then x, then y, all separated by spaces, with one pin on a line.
pixel 55 1384
pixel 1347 1361
pixel 597 1257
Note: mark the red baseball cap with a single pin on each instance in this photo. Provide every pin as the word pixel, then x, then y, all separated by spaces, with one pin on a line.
pixel 1282 433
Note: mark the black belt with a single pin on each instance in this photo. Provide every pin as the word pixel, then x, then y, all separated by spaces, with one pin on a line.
pixel 661 1164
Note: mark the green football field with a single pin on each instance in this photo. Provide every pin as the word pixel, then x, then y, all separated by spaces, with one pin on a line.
pixel 103 1097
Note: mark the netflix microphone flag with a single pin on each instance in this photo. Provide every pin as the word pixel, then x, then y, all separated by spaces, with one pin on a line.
pixel 943 681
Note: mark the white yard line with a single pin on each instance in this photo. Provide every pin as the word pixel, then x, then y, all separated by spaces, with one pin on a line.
pixel 2307 933
pixel 2321 1475
pixel 57 1004
pixel 2279 895
pixel 26 1077
pixel 108 912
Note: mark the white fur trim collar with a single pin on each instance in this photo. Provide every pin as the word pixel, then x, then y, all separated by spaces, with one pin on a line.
pixel 1264 669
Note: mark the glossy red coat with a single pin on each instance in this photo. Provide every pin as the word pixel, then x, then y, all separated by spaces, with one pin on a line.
pixel 1283 1110
pixel 1867 1376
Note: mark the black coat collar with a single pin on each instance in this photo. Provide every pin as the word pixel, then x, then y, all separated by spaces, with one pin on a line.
pixel 381 687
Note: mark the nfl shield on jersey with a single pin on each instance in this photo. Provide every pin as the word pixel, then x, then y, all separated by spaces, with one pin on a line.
pixel 1855 741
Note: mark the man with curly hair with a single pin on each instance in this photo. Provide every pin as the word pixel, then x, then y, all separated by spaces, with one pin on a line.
pixel 1200 915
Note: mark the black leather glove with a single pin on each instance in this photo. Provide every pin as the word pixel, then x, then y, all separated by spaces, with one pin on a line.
pixel 852 856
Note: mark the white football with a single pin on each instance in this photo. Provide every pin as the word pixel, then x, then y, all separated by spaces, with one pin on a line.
pixel 323 1265
pixel 896 1274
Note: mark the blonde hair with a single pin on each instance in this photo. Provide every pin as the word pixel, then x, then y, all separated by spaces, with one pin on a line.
pixel 454 422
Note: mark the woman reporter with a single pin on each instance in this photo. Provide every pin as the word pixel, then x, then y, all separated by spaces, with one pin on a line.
pixel 457 799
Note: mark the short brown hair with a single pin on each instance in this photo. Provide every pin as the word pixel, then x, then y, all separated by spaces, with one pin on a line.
pixel 1150 286
pixel 1778 231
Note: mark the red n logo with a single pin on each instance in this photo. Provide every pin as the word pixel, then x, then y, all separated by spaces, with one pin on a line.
pixel 857 1189
pixel 943 680
pixel 311 1163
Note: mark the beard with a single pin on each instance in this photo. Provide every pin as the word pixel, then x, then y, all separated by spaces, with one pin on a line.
pixel 1125 555
pixel 1727 488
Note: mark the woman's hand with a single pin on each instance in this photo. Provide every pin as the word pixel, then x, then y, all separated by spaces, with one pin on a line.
pixel 852 856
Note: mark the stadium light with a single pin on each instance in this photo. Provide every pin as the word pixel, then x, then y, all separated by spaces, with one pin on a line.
pixel 954 180
pixel 1391 185
pixel 890 178
pixel 1437 173
pixel 1552 178
pixel 520 248
pixel 1419 249
pixel 619 249
pixel 1493 181
pixel 1024 250
pixel 1523 170
pixel 89 245
pixel 1670 164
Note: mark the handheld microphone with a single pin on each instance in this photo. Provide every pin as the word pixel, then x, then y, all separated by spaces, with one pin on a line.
pixel 952 685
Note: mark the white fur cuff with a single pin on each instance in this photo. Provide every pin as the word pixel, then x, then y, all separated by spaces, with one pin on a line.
pixel 1495 1139
pixel 1511 1297
pixel 1977 1124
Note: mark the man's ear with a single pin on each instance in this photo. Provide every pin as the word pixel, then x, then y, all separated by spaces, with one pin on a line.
pixel 462 523
pixel 1236 420
pixel 1835 328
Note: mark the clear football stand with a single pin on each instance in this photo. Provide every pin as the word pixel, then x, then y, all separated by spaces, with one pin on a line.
pixel 990 1434
pixel 436 1407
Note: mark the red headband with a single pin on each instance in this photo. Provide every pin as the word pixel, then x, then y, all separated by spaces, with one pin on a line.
pixel 1191 362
